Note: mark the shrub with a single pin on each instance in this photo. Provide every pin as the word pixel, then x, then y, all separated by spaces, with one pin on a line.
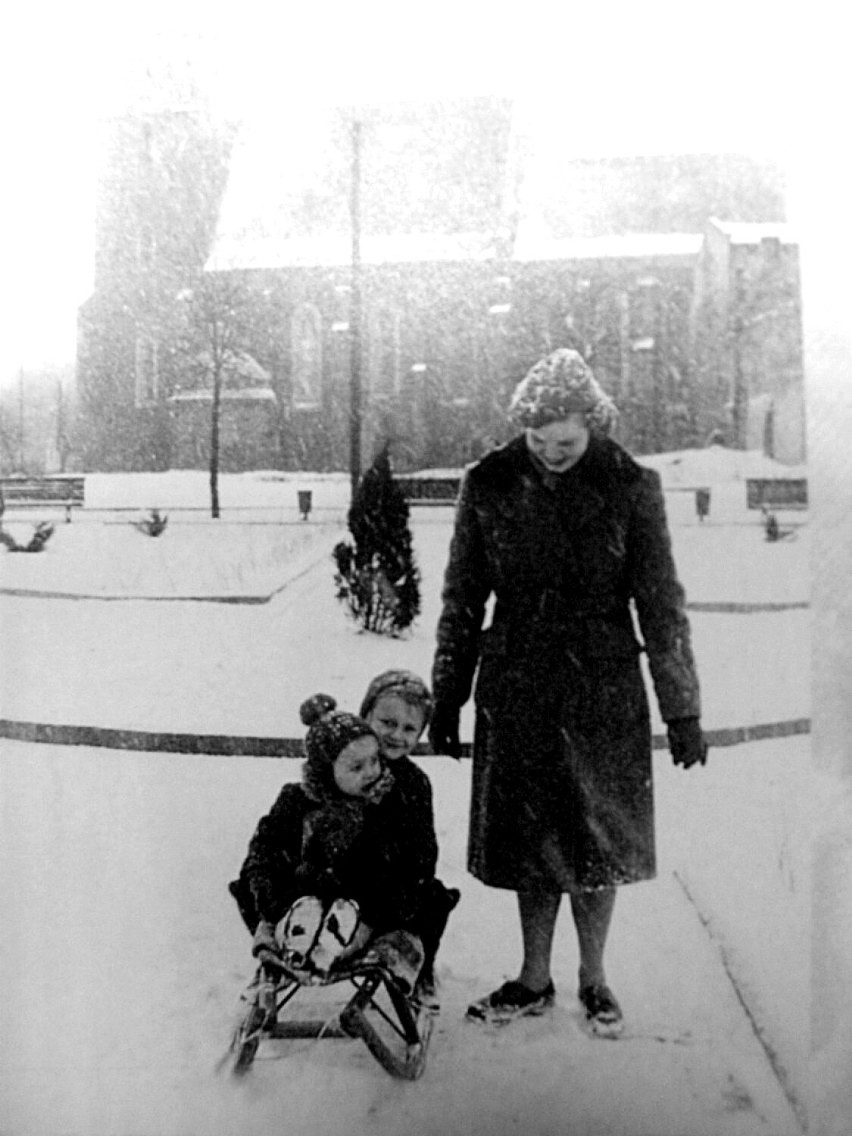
pixel 377 578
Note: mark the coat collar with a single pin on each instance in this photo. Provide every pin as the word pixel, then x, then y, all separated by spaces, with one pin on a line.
pixel 575 493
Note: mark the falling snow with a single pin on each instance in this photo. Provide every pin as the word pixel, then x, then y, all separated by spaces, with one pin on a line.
pixel 123 956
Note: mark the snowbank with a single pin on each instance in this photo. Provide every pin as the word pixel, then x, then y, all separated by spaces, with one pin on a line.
pixel 190 489
pixel 716 465
pixel 740 833
pixel 831 833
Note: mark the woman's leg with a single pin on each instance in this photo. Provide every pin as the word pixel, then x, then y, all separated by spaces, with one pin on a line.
pixel 531 993
pixel 538 909
pixel 592 911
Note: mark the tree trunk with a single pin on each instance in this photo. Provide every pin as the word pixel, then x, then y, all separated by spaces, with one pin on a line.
pixel 214 442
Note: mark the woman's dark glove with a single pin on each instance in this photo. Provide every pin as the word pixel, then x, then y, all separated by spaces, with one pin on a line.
pixel 686 742
pixel 444 730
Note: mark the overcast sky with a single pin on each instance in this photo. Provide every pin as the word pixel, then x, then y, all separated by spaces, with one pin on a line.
pixel 619 78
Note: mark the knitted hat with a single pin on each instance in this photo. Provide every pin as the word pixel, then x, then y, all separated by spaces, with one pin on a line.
pixel 405 685
pixel 329 732
pixel 559 385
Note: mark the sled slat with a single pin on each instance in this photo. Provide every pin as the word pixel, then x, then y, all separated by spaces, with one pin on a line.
pixel 308 1028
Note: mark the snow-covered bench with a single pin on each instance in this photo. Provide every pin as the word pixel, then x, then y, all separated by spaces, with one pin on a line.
pixel 25 492
pixel 429 489
pixel 776 492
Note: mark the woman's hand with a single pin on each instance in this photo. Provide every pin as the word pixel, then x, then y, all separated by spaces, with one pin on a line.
pixel 444 730
pixel 686 742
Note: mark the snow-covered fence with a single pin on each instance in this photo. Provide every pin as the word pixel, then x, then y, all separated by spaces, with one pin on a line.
pixel 429 488
pixel 777 492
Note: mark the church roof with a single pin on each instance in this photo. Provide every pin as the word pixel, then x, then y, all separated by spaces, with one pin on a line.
pixel 542 246
pixel 432 186
pixel 335 249
pixel 462 180
pixel 753 232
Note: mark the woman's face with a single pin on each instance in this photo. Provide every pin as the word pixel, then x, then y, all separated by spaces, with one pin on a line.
pixel 559 445
pixel 398 724
pixel 357 767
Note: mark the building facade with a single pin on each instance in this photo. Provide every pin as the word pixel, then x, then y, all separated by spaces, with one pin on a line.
pixel 164 173
pixel 437 287
pixel 746 337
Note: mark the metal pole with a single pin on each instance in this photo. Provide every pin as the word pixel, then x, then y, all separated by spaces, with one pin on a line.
pixel 739 394
pixel 21 419
pixel 355 314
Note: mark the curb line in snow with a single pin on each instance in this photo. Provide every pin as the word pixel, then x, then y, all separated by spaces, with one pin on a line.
pixel 227 745
pixel 31 593
pixel 747 608
pixel 251 598
pixel 720 607
pixel 782 1076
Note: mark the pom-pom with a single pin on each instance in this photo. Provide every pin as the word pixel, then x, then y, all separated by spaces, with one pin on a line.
pixel 315 708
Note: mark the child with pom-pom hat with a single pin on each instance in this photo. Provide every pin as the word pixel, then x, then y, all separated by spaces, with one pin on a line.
pixel 319 880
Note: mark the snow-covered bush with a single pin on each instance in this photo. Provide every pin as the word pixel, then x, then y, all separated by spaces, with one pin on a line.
pixel 377 578
pixel 153 524
pixel 42 532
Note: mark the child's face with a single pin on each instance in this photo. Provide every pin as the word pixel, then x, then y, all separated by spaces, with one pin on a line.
pixel 398 724
pixel 357 767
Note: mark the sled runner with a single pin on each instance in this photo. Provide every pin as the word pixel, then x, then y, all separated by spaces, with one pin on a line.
pixel 393 1025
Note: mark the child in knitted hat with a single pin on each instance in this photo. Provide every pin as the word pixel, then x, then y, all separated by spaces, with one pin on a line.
pixel 398 706
pixel 319 881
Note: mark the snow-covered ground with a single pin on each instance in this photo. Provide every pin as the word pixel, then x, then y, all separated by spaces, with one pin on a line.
pixel 122 956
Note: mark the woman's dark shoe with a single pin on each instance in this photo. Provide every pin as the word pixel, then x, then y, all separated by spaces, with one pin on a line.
pixel 512 1000
pixel 603 1012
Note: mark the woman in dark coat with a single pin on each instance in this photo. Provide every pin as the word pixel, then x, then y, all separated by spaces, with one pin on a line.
pixel 564 529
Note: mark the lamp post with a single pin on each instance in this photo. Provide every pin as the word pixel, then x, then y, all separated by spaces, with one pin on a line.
pixel 355 314
pixel 21 419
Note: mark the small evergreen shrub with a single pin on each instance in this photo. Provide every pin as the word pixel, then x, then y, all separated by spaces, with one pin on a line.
pixel 42 532
pixel 153 524
pixel 377 578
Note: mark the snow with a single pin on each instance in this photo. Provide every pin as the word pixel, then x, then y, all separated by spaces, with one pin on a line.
pixel 832 992
pixel 718 466
pixel 242 394
pixel 753 232
pixel 120 980
pixel 534 242
pixel 331 250
pixel 123 956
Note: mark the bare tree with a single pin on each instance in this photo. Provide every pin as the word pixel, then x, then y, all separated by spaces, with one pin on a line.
pixel 217 319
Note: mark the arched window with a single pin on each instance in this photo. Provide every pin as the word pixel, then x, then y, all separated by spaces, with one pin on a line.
pixel 384 353
pixel 306 356
pixel 147 385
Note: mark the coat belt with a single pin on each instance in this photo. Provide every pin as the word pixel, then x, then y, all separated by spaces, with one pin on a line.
pixel 552 605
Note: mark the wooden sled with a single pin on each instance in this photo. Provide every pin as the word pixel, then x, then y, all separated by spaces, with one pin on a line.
pixel 394 1026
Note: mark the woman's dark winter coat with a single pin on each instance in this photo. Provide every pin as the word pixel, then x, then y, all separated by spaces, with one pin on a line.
pixel 562 793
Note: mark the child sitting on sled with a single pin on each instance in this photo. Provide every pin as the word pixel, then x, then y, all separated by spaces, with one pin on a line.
pixel 320 879
pixel 398 705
